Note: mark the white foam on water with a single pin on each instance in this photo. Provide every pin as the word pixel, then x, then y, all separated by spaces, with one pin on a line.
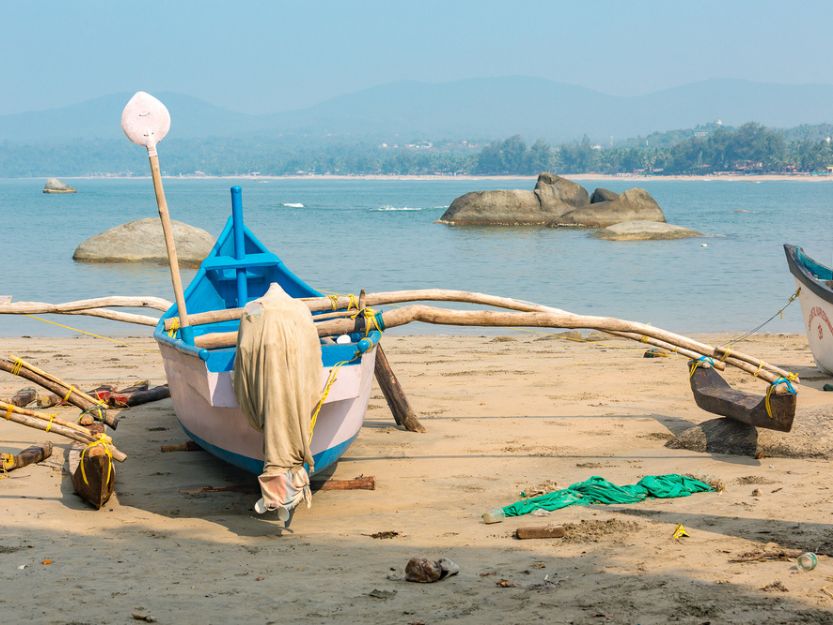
pixel 292 205
pixel 396 208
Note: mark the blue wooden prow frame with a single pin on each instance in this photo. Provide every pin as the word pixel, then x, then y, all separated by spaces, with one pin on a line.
pixel 239 243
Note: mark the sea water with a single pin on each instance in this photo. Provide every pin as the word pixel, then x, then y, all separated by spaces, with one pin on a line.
pixel 345 235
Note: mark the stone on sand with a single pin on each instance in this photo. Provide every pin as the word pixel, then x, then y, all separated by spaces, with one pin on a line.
pixel 644 231
pixel 142 241
pixel 53 185
pixel 811 437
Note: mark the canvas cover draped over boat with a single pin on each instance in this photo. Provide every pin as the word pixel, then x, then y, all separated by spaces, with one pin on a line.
pixel 277 379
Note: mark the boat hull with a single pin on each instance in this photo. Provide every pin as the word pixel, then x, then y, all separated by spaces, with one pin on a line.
pixel 207 410
pixel 816 299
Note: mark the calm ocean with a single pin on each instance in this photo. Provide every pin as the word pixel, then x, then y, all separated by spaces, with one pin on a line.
pixel 379 235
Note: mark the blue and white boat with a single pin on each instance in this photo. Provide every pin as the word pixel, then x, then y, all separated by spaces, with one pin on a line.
pixel 238 270
pixel 816 297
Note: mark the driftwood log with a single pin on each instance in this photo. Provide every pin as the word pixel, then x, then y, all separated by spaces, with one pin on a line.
pixel 186 446
pixel 526 533
pixel 30 455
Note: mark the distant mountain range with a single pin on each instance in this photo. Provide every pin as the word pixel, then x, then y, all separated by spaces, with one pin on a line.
pixel 478 109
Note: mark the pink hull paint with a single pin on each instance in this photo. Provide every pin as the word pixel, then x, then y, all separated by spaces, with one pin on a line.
pixel 205 405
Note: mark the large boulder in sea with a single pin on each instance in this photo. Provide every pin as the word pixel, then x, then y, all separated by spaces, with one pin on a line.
pixel 53 185
pixel 142 241
pixel 555 201
pixel 503 208
pixel 558 196
pixel 632 205
pixel 644 231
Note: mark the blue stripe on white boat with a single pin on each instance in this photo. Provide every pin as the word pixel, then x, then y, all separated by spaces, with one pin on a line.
pixel 322 459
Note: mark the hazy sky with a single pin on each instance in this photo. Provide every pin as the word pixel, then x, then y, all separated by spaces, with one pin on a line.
pixel 271 56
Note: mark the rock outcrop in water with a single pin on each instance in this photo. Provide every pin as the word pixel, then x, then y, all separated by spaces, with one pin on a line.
pixel 645 231
pixel 53 185
pixel 142 241
pixel 555 201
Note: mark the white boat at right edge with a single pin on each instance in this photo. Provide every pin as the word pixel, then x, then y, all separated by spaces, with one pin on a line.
pixel 815 282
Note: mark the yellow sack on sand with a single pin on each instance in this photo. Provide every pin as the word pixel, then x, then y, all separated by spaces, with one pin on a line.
pixel 277 377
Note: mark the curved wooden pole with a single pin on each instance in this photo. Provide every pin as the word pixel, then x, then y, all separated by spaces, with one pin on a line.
pixel 113 301
pixel 686 346
pixel 429 314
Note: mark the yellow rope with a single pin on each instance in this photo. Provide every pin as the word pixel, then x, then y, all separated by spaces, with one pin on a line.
pixel 80 331
pixel 18 365
pixel 700 361
pixel 9 411
pixel 766 401
pixel 726 353
pixel 759 369
pixel 333 297
pixel 102 441
pixel 69 392
pixel 330 381
pixel 174 327
pixel 370 322
pixel 49 425
pixel 643 339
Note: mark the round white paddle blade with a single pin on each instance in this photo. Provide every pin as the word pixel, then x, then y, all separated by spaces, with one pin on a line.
pixel 145 120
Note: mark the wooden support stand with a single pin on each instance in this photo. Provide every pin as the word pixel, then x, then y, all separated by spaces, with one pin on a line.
pixel 399 406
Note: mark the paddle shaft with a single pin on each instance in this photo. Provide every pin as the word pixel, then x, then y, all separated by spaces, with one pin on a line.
pixel 167 229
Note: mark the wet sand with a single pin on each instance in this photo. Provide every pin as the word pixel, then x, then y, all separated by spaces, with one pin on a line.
pixel 504 415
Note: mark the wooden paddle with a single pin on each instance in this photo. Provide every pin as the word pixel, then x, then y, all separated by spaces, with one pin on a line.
pixel 146 121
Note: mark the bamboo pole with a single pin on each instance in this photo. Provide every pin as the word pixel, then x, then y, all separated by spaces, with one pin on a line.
pixel 167 229
pixel 686 346
pixel 69 387
pixel 429 314
pixel 112 301
pixel 60 389
pixel 51 418
pixel 12 413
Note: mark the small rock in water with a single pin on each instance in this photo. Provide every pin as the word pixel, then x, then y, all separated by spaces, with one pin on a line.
pixel 53 185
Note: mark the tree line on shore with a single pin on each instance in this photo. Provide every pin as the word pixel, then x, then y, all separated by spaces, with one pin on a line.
pixel 750 148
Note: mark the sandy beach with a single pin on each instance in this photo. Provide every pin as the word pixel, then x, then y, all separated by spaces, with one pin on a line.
pixel 504 415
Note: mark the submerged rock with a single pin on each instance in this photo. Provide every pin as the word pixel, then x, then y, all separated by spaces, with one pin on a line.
pixel 644 231
pixel 555 201
pixel 53 185
pixel 142 241
pixel 811 437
